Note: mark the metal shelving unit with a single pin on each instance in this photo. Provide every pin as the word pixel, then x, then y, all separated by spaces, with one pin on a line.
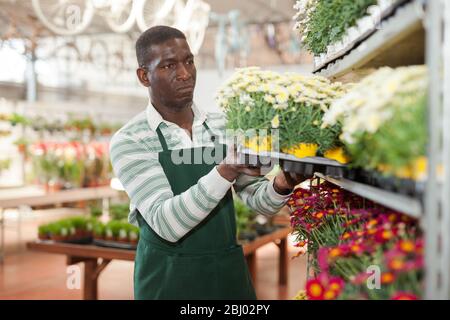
pixel 402 203
pixel 418 32
pixel 399 40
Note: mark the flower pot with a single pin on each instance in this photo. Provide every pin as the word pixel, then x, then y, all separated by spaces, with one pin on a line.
pixel 79 233
pixel 302 150
pixel 257 144
pixel 337 154
pixel 58 238
pixel 22 148
pixel 43 236
pixel 98 237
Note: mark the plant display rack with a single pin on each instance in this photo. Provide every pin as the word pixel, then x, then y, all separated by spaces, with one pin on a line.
pixel 417 32
pixel 398 40
pixel 414 32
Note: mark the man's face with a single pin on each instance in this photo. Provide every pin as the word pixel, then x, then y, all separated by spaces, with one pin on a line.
pixel 171 73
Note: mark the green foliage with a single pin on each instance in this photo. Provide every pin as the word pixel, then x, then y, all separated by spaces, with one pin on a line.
pixel 99 230
pixel 119 211
pixel 96 211
pixel 5 164
pixel 43 230
pixel 72 171
pixel 114 226
pixel 244 216
pixel 78 223
pixel 255 100
pixel 330 20
pixel 398 142
pixel 300 123
pixel 16 119
pixel 68 225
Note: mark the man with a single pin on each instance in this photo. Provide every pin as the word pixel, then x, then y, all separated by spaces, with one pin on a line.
pixel 187 247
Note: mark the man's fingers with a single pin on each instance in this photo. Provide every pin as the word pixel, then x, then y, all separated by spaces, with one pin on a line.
pixel 254 172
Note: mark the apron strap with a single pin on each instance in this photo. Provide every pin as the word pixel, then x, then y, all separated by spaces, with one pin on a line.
pixel 163 142
pixel 213 136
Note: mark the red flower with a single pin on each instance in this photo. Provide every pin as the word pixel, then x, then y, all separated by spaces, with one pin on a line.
pixel 336 284
pixel 404 296
pixel 315 289
pixel 324 288
pixel 330 295
pixel 383 235
pixel 419 246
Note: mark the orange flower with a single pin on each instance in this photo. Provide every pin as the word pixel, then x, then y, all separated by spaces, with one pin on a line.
pixel 387 277
pixel 396 264
pixel 356 248
pixel 393 217
pixel 318 215
pixel 371 223
pixel 346 236
pixel 406 246
pixel 335 252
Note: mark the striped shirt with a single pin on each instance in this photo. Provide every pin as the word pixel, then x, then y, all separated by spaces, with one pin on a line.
pixel 134 155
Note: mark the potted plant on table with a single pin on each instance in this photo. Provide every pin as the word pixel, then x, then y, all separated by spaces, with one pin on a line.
pixel 244 221
pixel 44 232
pixel 133 235
pixel 99 231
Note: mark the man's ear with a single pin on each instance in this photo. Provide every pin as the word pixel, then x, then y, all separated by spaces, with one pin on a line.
pixel 143 77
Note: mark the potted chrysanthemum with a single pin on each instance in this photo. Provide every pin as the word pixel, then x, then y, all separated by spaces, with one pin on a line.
pixel 294 104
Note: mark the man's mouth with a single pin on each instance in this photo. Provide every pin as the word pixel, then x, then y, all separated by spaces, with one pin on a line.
pixel 185 90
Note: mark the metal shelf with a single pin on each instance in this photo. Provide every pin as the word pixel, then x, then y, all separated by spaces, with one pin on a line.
pixel 399 41
pixel 401 203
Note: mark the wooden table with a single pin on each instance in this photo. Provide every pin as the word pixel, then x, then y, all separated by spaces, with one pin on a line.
pixel 96 258
pixel 38 197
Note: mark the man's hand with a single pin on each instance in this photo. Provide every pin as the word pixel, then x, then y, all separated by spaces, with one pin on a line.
pixel 285 182
pixel 232 171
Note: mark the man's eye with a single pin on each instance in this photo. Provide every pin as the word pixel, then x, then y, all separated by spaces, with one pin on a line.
pixel 169 66
pixel 190 62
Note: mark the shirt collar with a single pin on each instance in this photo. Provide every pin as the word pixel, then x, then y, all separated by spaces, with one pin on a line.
pixel 154 118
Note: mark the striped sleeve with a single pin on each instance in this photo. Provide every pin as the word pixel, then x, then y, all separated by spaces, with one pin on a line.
pixel 146 184
pixel 259 194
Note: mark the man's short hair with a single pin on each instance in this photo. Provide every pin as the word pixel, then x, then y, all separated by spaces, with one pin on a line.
pixel 154 36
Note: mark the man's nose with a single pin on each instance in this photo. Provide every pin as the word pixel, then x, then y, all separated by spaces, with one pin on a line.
pixel 183 73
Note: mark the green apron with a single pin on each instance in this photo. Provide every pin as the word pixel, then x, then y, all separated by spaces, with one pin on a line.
pixel 207 263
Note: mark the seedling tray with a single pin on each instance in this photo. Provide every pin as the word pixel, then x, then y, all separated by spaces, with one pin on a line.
pixel 114 244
